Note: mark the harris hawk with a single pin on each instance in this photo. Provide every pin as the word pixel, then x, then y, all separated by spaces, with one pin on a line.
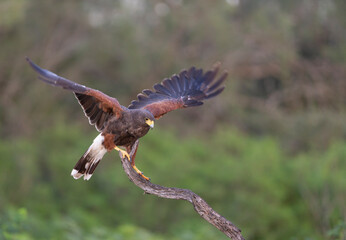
pixel 122 126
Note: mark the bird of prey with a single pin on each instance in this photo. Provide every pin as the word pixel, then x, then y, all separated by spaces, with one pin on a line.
pixel 122 126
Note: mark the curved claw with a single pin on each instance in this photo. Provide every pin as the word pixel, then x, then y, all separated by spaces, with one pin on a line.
pixel 126 155
pixel 123 152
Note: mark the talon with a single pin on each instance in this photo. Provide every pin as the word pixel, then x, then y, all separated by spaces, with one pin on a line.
pixel 126 155
pixel 123 152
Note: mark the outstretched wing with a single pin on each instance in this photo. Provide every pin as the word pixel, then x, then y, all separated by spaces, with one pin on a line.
pixel 97 106
pixel 187 89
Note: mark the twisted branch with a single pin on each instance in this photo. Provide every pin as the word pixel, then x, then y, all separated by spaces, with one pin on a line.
pixel 201 207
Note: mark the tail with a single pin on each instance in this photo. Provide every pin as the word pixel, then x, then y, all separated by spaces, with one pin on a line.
pixel 90 159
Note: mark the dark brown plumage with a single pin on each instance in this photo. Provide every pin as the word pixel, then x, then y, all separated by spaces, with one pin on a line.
pixel 121 126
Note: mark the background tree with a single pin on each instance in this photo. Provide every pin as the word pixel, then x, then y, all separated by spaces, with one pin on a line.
pixel 279 128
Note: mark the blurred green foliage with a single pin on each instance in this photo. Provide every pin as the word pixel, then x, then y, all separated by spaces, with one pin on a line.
pixel 250 180
pixel 268 153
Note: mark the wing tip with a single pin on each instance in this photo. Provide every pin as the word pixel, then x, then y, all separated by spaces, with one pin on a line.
pixel 48 75
pixel 216 92
pixel 31 63
pixel 216 65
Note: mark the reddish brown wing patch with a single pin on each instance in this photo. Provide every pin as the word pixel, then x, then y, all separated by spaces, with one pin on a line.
pixel 96 112
pixel 97 106
pixel 158 109
pixel 187 89
pixel 106 103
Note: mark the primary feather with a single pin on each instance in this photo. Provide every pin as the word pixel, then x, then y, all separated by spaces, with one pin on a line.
pixel 187 89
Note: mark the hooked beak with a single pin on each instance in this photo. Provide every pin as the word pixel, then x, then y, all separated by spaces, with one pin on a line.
pixel 150 123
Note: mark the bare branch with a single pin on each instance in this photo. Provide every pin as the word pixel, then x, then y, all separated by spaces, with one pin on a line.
pixel 201 207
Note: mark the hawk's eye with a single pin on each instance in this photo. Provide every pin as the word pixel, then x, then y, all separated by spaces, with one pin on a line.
pixel 146 119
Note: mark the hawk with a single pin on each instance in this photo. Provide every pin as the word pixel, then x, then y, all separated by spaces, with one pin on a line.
pixel 122 126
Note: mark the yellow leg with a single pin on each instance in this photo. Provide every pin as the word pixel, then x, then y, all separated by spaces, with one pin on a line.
pixel 123 152
pixel 140 173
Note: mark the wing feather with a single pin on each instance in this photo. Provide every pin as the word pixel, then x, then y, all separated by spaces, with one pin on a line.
pixel 97 106
pixel 161 89
pixel 187 89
